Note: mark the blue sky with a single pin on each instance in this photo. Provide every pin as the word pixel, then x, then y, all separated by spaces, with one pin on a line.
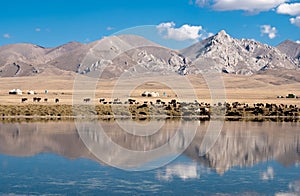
pixel 51 23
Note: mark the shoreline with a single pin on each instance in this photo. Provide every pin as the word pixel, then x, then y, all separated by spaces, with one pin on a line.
pixel 172 110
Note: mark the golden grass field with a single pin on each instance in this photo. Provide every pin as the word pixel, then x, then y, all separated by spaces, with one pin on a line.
pixel 245 89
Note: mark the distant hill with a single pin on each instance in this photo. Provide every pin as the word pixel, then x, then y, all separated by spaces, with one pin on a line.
pixel 118 54
pixel 290 48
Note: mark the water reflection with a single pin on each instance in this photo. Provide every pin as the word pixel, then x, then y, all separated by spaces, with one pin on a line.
pixel 240 144
pixel 183 171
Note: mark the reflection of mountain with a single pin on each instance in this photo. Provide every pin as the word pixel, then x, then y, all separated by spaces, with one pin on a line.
pixel 248 143
pixel 240 143
pixel 28 139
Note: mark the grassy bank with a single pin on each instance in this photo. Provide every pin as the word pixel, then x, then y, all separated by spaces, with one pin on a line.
pixel 233 111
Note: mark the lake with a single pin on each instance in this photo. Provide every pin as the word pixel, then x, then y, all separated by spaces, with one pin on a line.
pixel 161 157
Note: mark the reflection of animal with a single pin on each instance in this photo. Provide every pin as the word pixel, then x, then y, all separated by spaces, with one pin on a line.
pixel 87 100
pixel 56 100
pixel 23 100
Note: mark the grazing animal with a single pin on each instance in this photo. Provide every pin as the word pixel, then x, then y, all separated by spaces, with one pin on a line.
pixel 173 101
pixel 87 100
pixel 142 106
pixel 131 100
pixel 56 100
pixel 23 100
pixel 117 101
pixel 36 99
pixel 46 99
pixel 101 100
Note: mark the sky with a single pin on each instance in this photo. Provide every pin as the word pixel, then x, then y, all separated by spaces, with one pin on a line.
pixel 173 23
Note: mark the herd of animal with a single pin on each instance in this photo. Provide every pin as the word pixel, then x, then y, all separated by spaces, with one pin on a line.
pixel 38 99
pixel 195 108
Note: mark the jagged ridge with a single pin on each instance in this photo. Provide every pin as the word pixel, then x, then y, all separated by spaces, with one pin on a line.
pixel 121 53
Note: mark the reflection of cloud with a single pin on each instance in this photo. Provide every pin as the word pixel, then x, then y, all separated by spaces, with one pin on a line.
pixel 268 175
pixel 67 183
pixel 295 186
pixel 188 171
pixel 294 189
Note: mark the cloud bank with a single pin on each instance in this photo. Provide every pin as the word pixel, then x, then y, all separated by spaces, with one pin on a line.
pixel 292 9
pixel 183 33
pixel 245 5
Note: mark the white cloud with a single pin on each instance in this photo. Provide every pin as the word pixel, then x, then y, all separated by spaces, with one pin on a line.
pixel 7 35
pixel 109 28
pixel 37 29
pixel 295 21
pixel 292 9
pixel 298 41
pixel 183 33
pixel 245 5
pixel 202 3
pixel 268 30
pixel 268 175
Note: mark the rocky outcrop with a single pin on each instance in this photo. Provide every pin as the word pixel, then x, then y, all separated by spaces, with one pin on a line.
pixel 246 57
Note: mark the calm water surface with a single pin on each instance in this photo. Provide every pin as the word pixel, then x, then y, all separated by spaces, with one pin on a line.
pixel 247 158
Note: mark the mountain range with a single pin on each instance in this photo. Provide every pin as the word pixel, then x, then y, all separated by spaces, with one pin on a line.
pixel 119 54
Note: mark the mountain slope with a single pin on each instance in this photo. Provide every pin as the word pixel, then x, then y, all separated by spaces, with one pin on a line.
pixel 290 48
pixel 134 54
pixel 118 54
pixel 224 53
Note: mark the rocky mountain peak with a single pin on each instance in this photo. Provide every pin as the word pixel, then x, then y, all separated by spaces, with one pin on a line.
pixel 222 35
pixel 220 38
pixel 225 54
